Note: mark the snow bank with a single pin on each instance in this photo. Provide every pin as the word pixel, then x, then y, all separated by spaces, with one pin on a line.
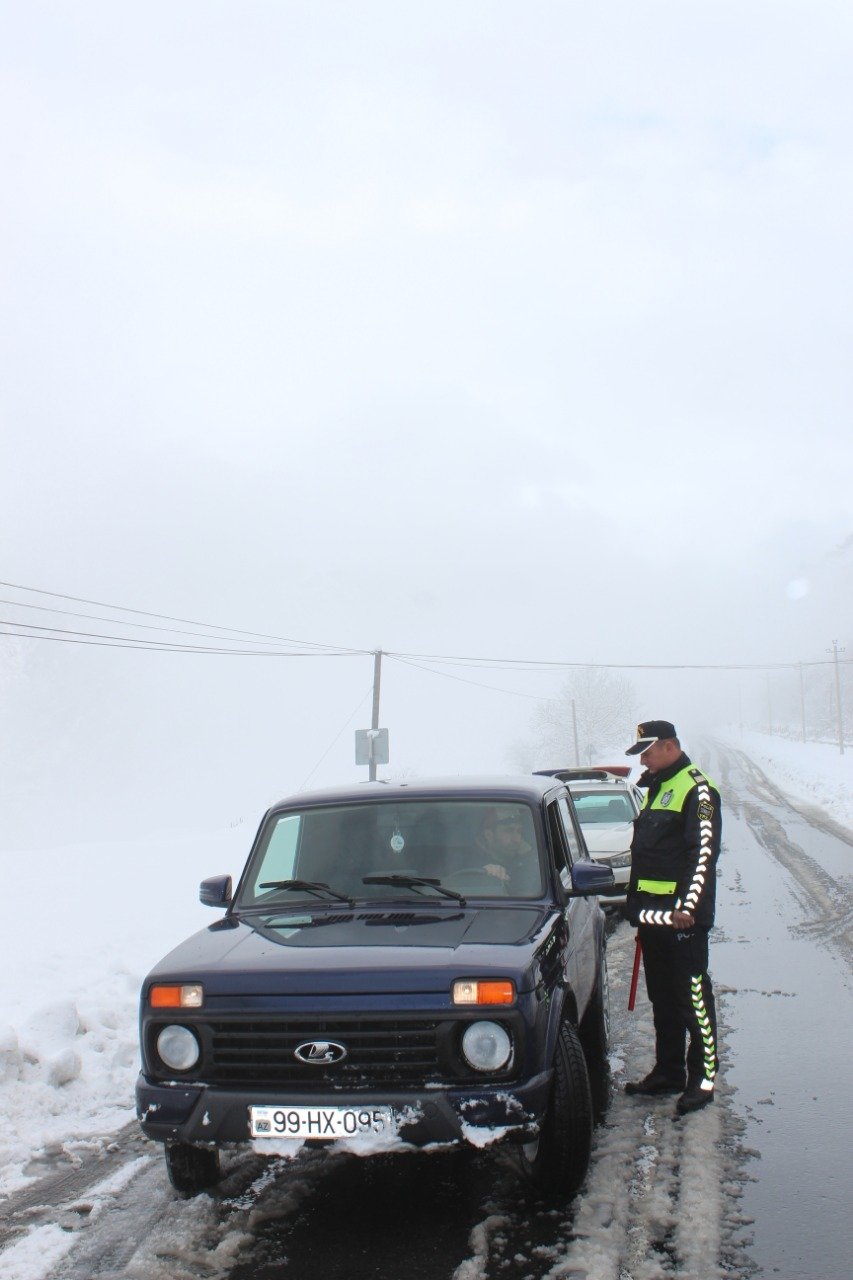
pixel 809 773
pixel 82 927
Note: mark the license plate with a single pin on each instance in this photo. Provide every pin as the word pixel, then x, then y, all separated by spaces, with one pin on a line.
pixel 319 1122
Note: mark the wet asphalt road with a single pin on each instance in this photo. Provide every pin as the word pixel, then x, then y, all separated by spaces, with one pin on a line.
pixel 784 961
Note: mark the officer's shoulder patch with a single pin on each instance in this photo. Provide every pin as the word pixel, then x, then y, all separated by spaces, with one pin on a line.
pixel 706 810
pixel 665 799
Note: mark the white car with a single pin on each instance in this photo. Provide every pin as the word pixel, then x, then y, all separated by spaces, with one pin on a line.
pixel 606 806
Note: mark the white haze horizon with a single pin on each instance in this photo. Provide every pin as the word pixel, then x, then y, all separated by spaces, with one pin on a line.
pixel 461 329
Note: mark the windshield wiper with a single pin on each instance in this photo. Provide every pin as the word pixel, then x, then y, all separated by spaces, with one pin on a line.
pixel 282 921
pixel 415 882
pixel 317 887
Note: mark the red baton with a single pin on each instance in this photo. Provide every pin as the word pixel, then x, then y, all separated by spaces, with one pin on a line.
pixel 635 976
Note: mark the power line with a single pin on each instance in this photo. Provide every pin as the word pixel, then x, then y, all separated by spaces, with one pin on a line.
pixel 65 636
pixel 144 613
pixel 61 635
pixel 542 664
pixel 93 617
pixel 313 648
pixel 447 675
pixel 343 727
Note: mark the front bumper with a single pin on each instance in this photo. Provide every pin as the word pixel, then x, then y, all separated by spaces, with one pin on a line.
pixel 202 1114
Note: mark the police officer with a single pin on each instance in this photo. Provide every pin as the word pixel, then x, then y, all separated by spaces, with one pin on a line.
pixel 671 899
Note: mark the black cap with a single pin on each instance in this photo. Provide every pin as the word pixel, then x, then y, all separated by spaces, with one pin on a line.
pixel 651 731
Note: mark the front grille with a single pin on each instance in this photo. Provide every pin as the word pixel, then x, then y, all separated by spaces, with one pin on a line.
pixel 261 1053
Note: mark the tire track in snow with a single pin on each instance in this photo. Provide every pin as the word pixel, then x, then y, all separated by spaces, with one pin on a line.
pixel 828 903
pixel 54 1195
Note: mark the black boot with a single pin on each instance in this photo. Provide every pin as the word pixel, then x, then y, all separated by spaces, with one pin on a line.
pixel 656 1082
pixel 694 1098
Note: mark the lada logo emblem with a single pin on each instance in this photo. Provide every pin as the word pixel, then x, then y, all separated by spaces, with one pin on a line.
pixel 320 1052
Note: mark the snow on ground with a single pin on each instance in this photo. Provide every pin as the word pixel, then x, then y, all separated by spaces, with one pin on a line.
pixel 813 774
pixel 83 925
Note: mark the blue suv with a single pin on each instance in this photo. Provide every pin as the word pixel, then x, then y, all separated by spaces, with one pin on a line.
pixel 402 963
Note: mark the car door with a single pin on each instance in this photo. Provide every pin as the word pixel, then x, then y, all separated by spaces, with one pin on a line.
pixel 581 911
pixel 573 924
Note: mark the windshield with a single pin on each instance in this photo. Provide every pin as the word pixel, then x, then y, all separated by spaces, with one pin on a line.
pixel 472 847
pixel 598 808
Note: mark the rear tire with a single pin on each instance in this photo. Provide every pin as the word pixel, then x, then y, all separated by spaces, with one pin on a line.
pixel 191 1169
pixel 557 1161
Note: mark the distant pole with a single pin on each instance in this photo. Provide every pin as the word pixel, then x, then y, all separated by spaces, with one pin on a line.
pixel 838 709
pixel 374 719
pixel 769 708
pixel 802 703
pixel 575 732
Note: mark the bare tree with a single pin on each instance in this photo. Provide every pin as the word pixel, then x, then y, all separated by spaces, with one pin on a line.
pixel 597 704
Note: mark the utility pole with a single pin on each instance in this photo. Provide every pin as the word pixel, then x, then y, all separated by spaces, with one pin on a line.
pixel 374 720
pixel 802 703
pixel 575 732
pixel 769 708
pixel 371 745
pixel 834 651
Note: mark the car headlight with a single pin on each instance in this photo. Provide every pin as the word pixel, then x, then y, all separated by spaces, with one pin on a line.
pixel 178 1048
pixel 483 991
pixel 621 859
pixel 173 995
pixel 486 1046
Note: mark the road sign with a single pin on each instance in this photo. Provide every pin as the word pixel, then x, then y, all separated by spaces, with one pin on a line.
pixel 371 746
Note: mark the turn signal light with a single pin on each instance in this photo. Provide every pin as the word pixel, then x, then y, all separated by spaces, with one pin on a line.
pixel 172 996
pixel 476 991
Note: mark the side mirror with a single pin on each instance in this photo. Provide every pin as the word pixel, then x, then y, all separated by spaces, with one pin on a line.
pixel 215 892
pixel 591 877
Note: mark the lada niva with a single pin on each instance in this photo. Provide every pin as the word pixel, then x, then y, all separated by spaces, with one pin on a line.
pixel 410 963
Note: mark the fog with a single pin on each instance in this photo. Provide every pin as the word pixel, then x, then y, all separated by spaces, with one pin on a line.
pixel 468 328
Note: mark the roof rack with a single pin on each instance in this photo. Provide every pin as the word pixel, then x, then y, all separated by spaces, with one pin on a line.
pixel 593 774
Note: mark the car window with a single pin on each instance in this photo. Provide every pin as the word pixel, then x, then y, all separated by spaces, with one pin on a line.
pixel 572 837
pixel 559 840
pixel 279 857
pixel 449 840
pixel 600 807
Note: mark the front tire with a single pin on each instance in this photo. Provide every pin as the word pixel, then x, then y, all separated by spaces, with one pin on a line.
pixel 191 1169
pixel 557 1161
pixel 595 1038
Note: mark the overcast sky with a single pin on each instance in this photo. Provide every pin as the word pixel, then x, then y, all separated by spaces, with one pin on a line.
pixel 467 327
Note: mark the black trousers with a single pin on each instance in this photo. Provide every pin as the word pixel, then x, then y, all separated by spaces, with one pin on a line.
pixel 682 998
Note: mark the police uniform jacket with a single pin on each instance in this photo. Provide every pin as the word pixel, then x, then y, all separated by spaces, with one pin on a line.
pixel 675 847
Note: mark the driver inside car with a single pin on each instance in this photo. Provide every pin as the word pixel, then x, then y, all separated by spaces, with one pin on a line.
pixel 511 858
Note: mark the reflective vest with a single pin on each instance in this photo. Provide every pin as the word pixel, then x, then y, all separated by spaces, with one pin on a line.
pixel 673 852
